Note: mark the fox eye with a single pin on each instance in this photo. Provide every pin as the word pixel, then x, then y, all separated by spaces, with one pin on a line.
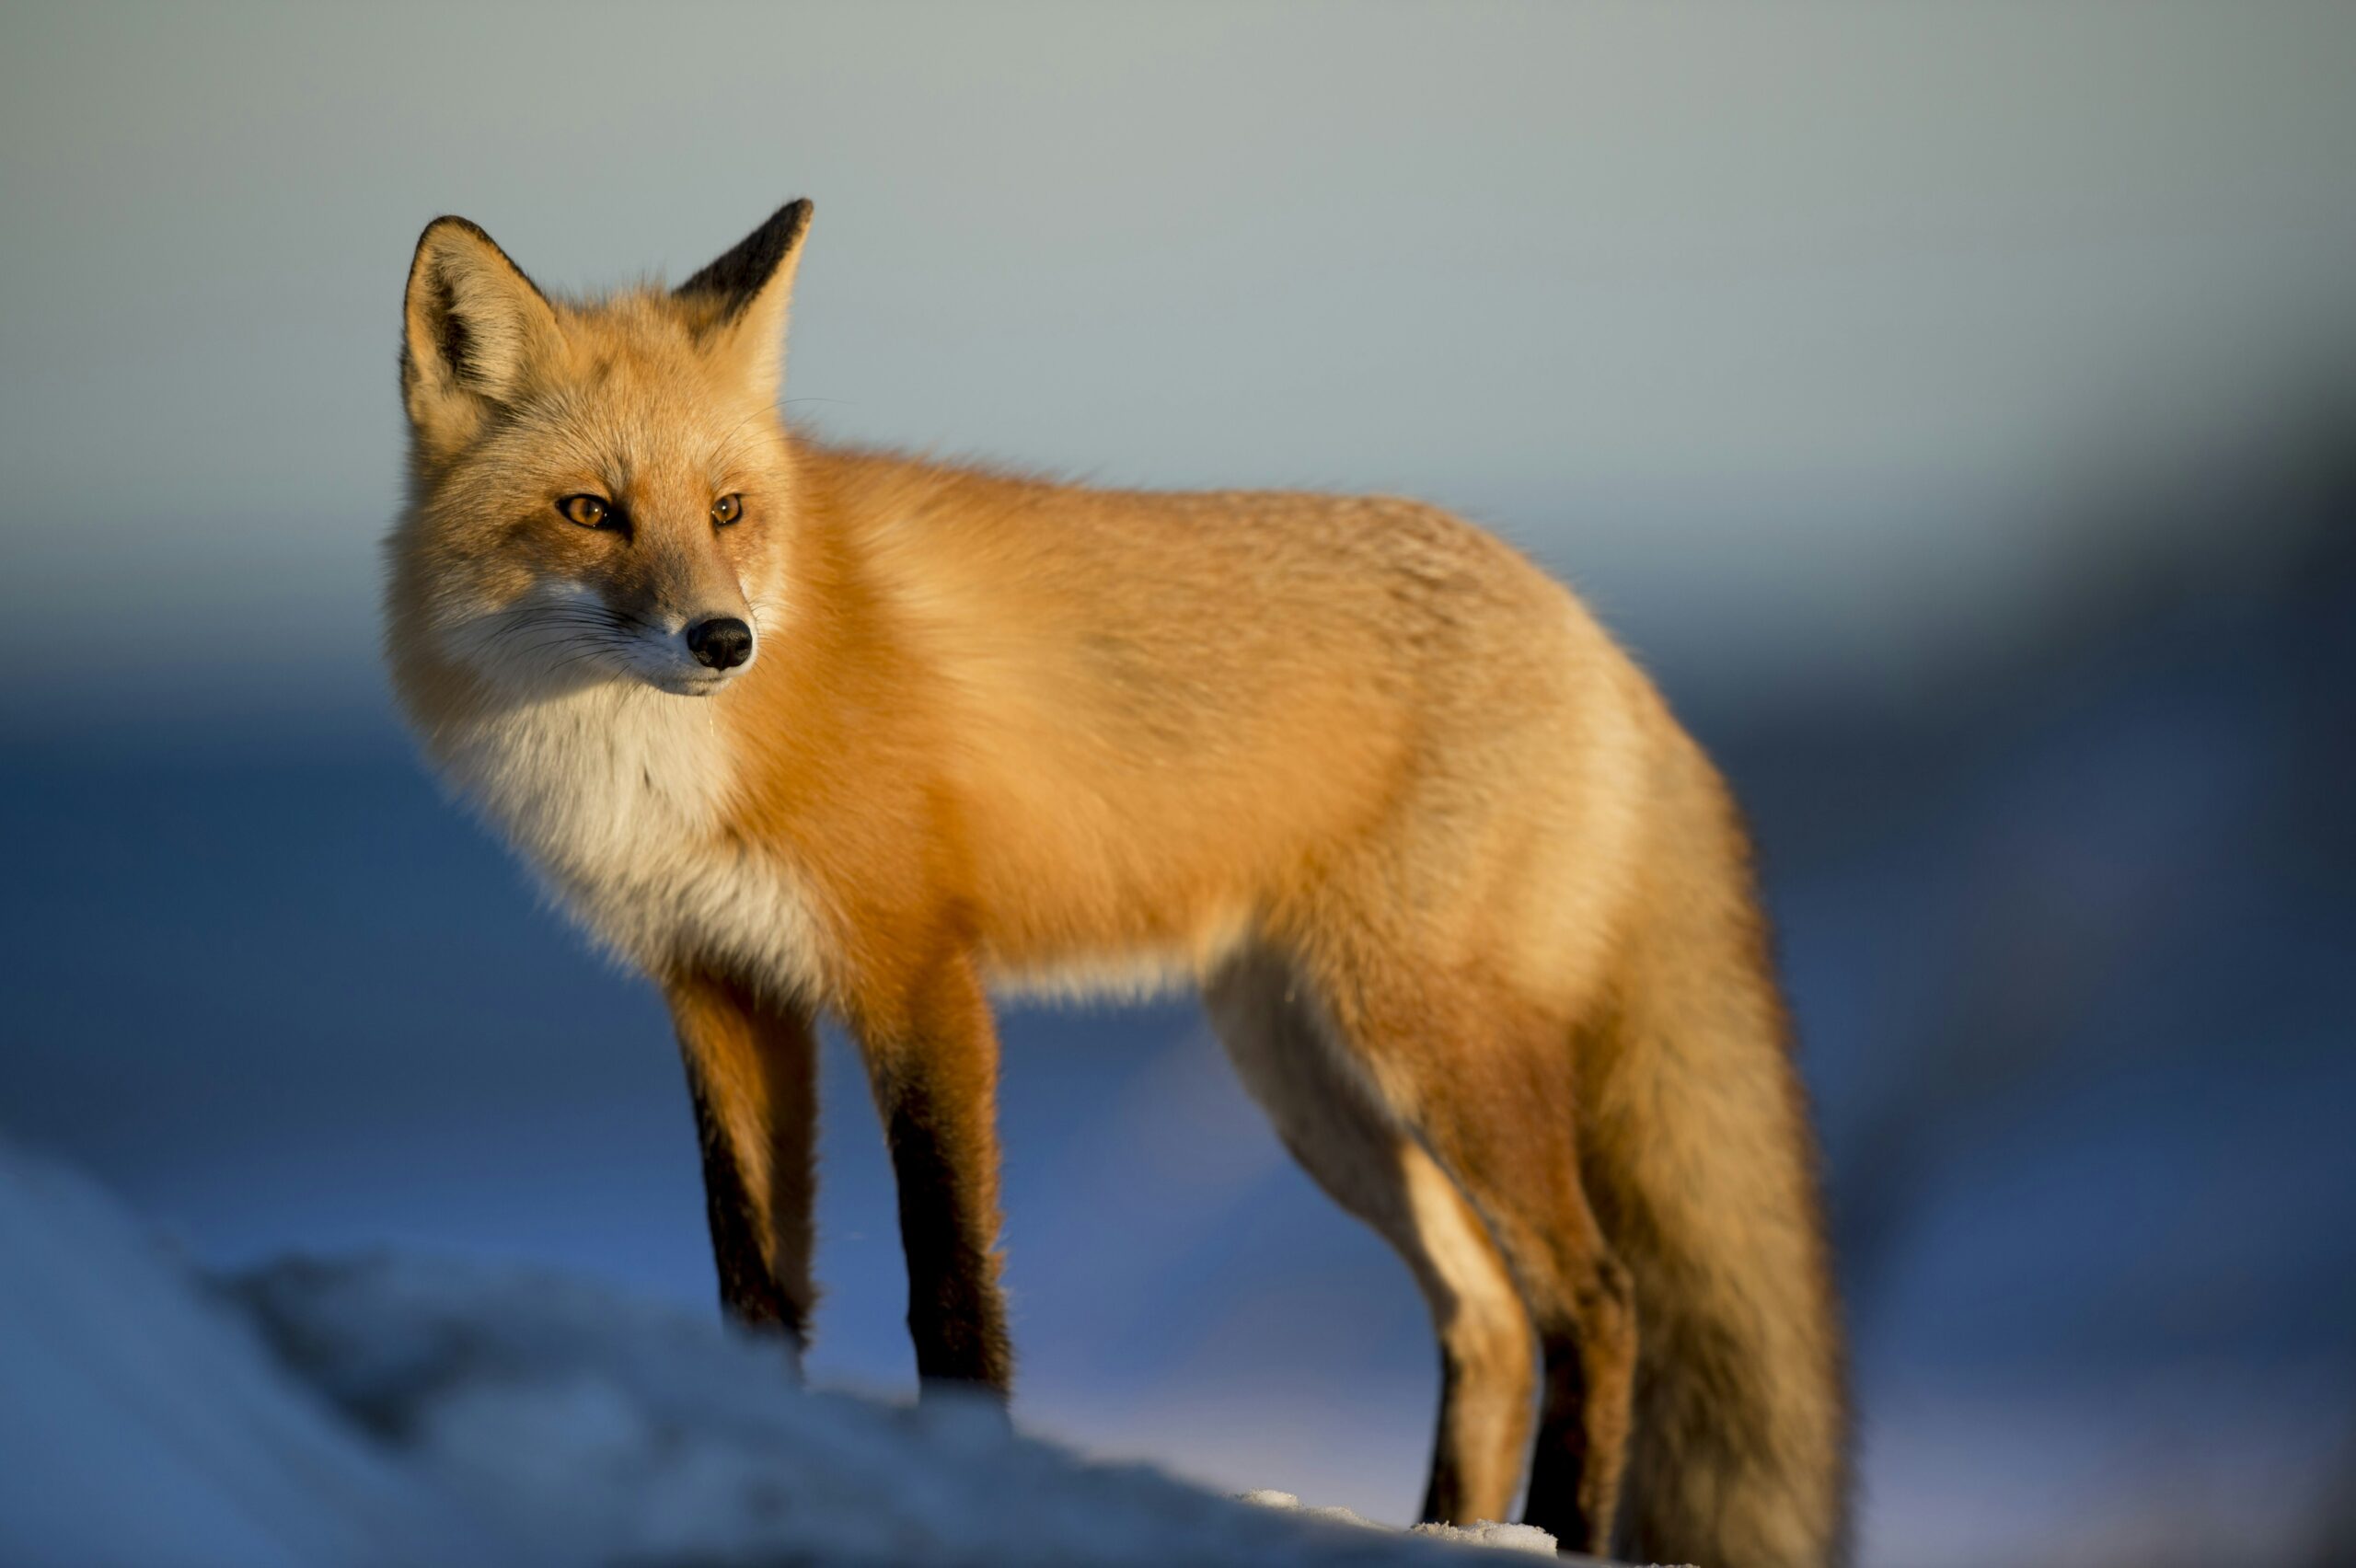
pixel 727 510
pixel 589 511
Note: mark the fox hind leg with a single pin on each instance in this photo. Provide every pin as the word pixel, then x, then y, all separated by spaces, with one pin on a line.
pixel 1271 1025
pixel 1488 1085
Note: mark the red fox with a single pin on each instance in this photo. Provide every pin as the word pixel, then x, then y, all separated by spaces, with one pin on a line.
pixel 797 729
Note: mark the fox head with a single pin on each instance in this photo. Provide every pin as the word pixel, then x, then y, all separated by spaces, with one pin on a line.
pixel 599 491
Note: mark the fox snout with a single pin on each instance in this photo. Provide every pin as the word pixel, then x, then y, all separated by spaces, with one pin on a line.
pixel 713 646
pixel 721 643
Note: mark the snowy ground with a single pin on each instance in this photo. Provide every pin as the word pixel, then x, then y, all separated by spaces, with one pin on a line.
pixel 389 1411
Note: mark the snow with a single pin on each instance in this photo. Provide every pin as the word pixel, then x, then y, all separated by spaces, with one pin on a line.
pixel 389 1410
pixel 1527 1539
pixel 144 1421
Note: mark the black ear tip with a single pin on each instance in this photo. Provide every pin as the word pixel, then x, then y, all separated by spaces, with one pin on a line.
pixel 736 277
pixel 782 231
pixel 793 217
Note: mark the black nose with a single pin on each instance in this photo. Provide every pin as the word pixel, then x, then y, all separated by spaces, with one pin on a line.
pixel 722 643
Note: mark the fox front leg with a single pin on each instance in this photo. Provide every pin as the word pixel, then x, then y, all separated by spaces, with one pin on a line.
pixel 752 1072
pixel 932 1056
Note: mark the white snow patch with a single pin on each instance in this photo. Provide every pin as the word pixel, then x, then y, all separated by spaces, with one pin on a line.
pixel 1488 1533
pixel 143 1421
pixel 392 1411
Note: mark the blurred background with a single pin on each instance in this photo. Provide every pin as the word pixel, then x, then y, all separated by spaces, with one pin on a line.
pixel 1955 406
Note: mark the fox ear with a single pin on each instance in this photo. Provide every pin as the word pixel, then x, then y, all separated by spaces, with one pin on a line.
pixel 740 299
pixel 472 327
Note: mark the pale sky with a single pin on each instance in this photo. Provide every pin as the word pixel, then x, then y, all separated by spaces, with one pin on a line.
pixel 1786 330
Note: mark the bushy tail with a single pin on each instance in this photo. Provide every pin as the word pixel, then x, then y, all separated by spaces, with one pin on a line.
pixel 1702 1168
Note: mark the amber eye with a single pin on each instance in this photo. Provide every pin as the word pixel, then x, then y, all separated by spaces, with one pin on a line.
pixel 589 511
pixel 727 510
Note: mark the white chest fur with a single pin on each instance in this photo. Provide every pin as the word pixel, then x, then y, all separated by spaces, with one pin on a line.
pixel 617 797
